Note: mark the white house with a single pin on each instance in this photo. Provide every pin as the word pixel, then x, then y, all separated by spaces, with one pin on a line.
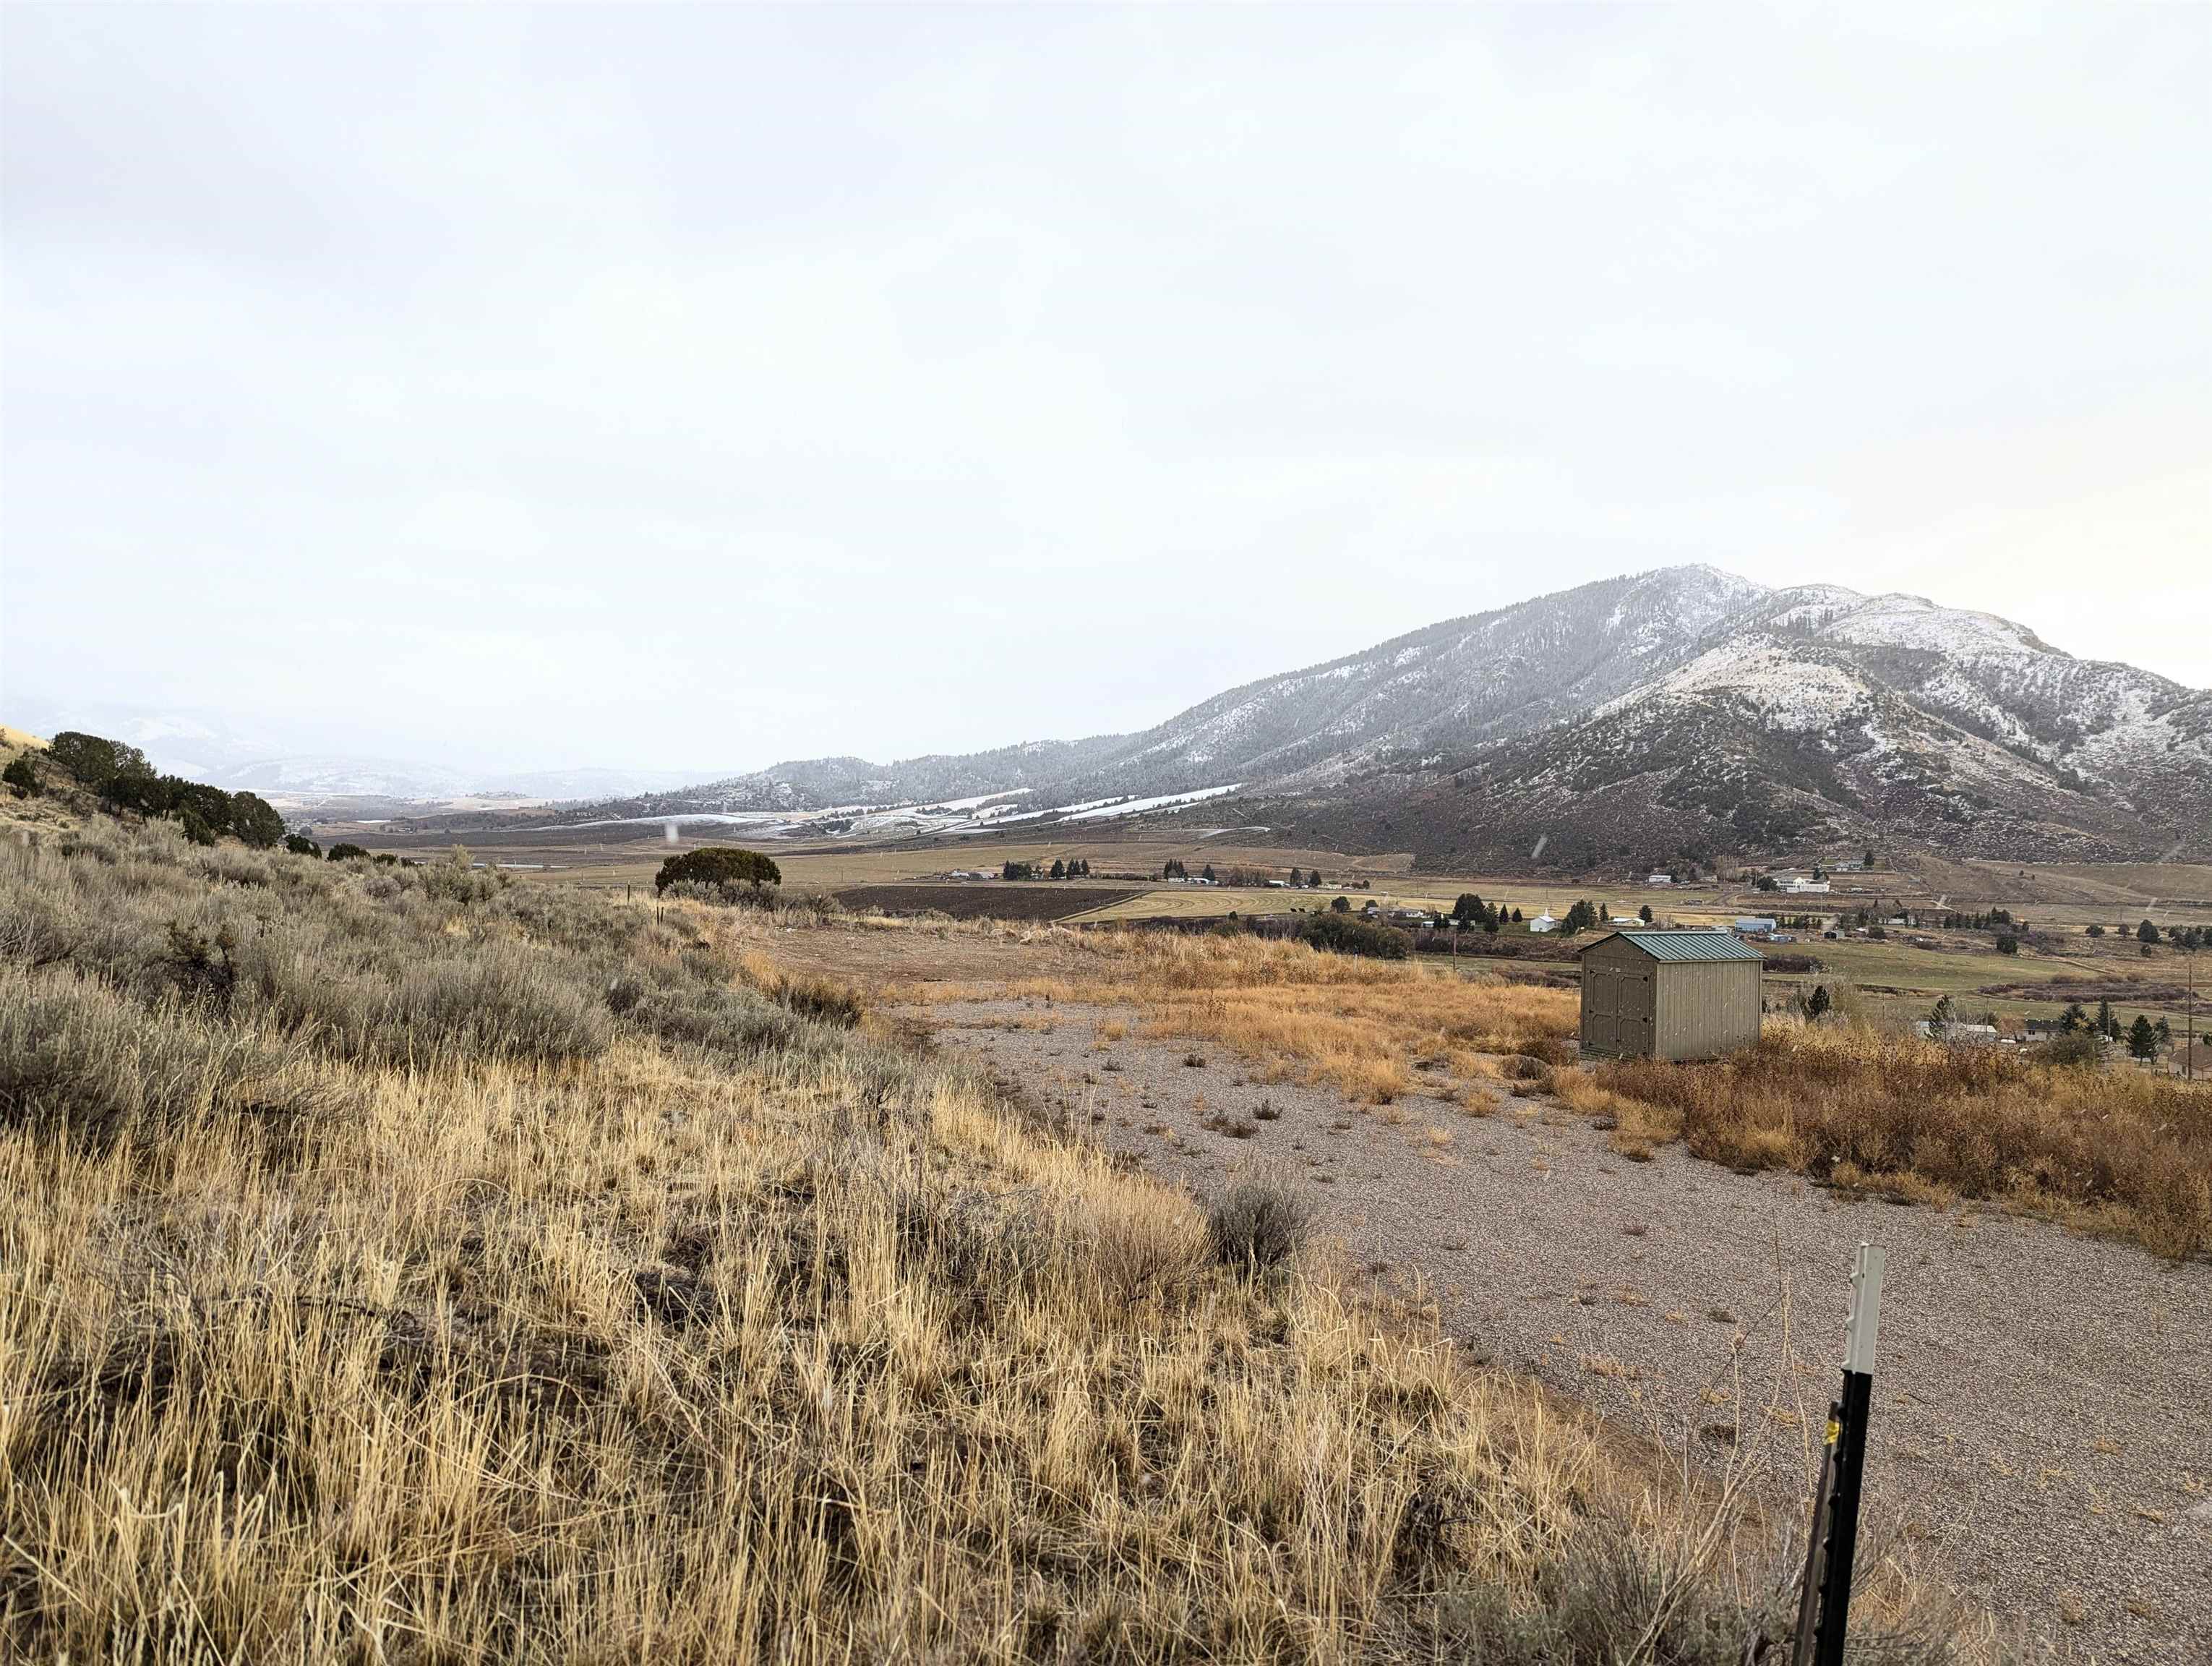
pixel 1544 923
pixel 1969 1035
pixel 1798 886
pixel 1660 879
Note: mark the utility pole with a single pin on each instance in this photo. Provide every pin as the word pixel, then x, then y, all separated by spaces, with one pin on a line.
pixel 1824 1604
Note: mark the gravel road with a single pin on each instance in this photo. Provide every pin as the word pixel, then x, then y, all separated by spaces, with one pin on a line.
pixel 2043 1413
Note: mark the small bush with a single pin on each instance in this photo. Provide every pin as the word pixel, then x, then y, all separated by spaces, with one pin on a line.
pixel 459 882
pixel 20 776
pixel 1258 1224
pixel 497 1003
pixel 300 845
pixel 1343 933
pixel 346 853
pixel 819 999
pixel 2080 1048
pixel 719 865
pixel 77 1056
pixel 720 896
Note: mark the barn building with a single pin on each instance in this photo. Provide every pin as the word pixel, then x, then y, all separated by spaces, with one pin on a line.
pixel 1668 995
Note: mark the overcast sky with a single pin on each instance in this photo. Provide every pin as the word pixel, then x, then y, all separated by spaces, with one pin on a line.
pixel 697 388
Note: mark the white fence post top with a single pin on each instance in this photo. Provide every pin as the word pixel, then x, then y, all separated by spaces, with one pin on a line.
pixel 1860 1332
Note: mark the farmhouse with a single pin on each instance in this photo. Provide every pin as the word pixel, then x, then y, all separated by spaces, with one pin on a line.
pixel 1668 995
pixel 1799 886
pixel 1971 1035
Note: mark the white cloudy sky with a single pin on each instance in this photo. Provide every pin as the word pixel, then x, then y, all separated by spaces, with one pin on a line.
pixel 694 386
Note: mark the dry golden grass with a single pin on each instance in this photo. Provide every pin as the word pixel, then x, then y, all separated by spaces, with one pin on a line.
pixel 2112 1151
pixel 1297 1013
pixel 689 1323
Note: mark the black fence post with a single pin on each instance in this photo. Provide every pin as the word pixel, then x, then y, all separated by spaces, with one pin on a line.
pixel 1823 1606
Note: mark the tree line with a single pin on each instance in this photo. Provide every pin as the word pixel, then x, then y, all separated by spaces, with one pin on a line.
pixel 120 776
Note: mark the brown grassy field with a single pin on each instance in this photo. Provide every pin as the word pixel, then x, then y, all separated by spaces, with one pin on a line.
pixel 1358 1024
pixel 2112 1151
pixel 405 1265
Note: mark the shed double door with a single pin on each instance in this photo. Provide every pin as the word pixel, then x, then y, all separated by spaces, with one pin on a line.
pixel 1620 1011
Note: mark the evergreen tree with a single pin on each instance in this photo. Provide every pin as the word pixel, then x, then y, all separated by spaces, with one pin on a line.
pixel 1208 875
pixel 1644 914
pixel 255 820
pixel 1059 868
pixel 2146 933
pixel 2143 1039
pixel 96 761
pixel 1817 1003
pixel 2074 1019
pixel 2106 1023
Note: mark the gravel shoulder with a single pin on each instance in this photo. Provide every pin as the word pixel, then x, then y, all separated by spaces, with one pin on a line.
pixel 2043 1419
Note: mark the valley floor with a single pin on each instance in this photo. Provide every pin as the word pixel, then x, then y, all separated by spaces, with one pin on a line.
pixel 2039 1426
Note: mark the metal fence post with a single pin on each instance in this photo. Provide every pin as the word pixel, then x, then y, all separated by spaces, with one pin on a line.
pixel 1824 1605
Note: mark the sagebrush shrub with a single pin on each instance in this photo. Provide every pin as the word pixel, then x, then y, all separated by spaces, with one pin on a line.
pixel 1258 1224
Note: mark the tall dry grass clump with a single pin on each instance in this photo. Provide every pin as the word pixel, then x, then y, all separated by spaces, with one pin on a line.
pixel 402 1268
pixel 2115 1150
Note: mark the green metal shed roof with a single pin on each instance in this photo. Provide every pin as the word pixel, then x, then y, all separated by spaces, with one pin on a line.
pixel 1714 944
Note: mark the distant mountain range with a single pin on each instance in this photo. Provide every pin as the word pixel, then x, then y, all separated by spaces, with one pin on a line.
pixel 1680 713
pixel 203 747
pixel 1677 712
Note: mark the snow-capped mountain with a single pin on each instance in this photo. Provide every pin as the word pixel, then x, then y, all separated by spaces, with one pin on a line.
pixel 1681 709
pixel 1818 713
pixel 1446 688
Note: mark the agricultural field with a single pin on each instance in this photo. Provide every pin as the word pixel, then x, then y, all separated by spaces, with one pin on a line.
pixel 1898 982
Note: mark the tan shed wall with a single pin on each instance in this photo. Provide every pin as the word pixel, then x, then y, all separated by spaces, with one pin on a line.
pixel 1707 1008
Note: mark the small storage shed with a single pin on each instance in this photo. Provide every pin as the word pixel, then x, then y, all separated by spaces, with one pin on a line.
pixel 1668 995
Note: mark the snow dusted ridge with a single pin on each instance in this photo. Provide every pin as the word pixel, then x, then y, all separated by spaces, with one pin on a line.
pixel 1684 705
pixel 1821 713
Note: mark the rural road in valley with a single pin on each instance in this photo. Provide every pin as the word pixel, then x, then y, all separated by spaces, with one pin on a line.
pixel 2042 1413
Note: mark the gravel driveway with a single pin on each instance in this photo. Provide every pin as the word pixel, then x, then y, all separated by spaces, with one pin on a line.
pixel 2043 1411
